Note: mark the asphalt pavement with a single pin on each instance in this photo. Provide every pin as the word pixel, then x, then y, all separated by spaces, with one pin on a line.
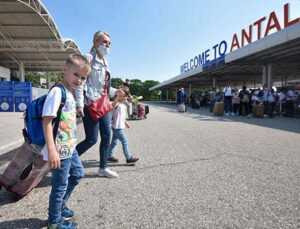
pixel 195 171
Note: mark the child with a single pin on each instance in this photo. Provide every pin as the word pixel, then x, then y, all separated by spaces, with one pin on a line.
pixel 66 167
pixel 118 125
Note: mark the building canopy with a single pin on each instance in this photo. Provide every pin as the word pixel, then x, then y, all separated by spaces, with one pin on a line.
pixel 245 65
pixel 29 37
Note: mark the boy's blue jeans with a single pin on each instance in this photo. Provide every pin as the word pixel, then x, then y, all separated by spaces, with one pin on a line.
pixel 118 134
pixel 92 129
pixel 63 185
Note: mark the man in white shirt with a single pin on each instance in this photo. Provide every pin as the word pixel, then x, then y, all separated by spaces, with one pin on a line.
pixel 228 99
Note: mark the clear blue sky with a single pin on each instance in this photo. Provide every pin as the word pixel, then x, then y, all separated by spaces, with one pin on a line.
pixel 151 39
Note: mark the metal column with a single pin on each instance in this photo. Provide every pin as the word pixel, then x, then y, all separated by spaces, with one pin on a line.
pixel 22 72
pixel 167 95
pixel 214 82
pixel 48 81
pixel 190 92
pixel 264 76
pixel 270 83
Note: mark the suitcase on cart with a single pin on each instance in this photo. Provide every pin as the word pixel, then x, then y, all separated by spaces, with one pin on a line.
pixel 219 109
pixel 25 170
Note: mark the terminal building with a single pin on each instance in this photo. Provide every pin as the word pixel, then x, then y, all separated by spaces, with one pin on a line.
pixel 258 55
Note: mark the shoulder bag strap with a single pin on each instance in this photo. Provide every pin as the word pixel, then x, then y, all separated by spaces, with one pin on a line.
pixel 58 114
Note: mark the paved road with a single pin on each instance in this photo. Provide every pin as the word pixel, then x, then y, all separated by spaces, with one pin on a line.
pixel 195 171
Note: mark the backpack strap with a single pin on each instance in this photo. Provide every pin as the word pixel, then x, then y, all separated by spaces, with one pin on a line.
pixel 56 121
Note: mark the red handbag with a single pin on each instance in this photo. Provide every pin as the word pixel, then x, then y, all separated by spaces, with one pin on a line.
pixel 100 107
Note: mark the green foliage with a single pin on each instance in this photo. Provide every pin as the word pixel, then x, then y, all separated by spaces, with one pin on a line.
pixel 116 82
pixel 149 95
pixel 56 77
pixel 33 77
pixel 139 88
pixel 136 87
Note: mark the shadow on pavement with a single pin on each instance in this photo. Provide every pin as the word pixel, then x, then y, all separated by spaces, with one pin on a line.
pixel 280 123
pixel 32 223
pixel 4 158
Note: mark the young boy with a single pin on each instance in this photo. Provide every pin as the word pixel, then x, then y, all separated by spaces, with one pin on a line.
pixel 118 125
pixel 66 167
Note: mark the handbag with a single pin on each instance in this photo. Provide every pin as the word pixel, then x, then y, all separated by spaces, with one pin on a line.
pixel 101 106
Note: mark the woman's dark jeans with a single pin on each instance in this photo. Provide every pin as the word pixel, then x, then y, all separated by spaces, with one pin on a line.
pixel 91 129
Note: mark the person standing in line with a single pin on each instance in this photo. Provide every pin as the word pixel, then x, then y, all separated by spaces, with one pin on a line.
pixel 235 101
pixel 212 98
pixel 265 94
pixel 244 101
pixel 93 89
pixel 271 103
pixel 290 102
pixel 118 125
pixel 228 100
pixel 60 152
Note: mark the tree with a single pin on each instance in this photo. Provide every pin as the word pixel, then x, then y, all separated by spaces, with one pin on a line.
pixel 116 82
pixel 149 95
pixel 33 77
pixel 136 87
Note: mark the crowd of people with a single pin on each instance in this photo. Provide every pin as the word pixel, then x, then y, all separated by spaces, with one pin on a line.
pixel 240 102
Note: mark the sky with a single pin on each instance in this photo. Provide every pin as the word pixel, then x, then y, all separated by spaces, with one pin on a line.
pixel 152 39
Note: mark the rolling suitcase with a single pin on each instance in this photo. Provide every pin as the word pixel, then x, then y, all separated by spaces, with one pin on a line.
pixel 258 110
pixel 219 109
pixel 25 170
pixel 141 110
pixel 146 109
pixel 181 108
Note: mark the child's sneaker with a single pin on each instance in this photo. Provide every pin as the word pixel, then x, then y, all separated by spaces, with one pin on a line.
pixel 63 225
pixel 107 173
pixel 132 160
pixel 66 213
pixel 112 159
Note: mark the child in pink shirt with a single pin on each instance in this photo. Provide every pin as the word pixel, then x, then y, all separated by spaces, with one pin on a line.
pixel 119 123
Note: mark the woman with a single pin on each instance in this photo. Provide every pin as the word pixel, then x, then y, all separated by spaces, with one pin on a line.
pixel 91 91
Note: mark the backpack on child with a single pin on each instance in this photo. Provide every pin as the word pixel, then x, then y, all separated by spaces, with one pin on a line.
pixel 33 120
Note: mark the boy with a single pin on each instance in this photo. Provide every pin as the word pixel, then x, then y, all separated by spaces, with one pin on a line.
pixel 66 167
pixel 118 125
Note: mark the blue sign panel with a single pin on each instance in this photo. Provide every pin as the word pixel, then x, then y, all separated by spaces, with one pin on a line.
pixel 7 88
pixel 21 103
pixel 22 89
pixel 6 104
pixel 22 95
pixel 6 96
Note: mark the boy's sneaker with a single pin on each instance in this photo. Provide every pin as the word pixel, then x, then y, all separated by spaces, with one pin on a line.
pixel 107 173
pixel 132 160
pixel 66 213
pixel 112 159
pixel 63 225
